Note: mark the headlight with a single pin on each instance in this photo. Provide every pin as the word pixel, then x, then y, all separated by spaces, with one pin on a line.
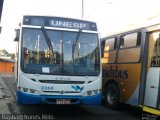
pixel 92 92
pixel 27 90
pixel 32 91
pixel 95 91
pixel 89 92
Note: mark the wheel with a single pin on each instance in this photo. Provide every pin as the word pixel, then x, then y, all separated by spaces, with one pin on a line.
pixel 112 96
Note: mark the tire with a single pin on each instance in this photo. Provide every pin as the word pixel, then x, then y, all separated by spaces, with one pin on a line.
pixel 112 96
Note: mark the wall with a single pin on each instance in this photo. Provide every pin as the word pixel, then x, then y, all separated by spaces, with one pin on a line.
pixel 6 67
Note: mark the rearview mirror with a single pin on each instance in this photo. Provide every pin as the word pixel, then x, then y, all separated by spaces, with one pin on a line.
pixel 16 39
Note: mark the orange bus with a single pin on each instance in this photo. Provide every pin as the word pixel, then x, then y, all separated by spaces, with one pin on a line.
pixel 131 68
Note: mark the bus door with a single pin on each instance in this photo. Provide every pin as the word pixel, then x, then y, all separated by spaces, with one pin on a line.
pixel 152 89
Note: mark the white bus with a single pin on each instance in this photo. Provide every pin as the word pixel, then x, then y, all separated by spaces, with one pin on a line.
pixel 58 61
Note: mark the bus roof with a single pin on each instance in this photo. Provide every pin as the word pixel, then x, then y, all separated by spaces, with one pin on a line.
pixel 131 30
pixel 59 22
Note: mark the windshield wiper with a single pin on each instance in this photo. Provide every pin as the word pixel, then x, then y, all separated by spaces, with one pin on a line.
pixel 47 39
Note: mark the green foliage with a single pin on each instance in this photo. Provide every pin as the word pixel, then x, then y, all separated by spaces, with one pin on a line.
pixel 4 53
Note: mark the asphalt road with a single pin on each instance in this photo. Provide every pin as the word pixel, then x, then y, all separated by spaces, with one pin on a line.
pixel 90 112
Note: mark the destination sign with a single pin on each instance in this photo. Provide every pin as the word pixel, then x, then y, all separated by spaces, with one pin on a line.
pixel 59 22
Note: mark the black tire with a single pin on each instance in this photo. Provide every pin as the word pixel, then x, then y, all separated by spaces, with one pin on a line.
pixel 112 96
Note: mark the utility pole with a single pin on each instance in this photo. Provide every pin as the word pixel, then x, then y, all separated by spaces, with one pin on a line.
pixel 82 9
pixel 1 8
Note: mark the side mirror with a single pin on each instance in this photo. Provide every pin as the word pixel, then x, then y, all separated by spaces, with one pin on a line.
pixel 16 39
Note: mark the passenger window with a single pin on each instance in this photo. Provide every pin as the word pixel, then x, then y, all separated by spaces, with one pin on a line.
pixel 121 42
pixel 130 40
pixel 156 53
pixel 109 54
pixel 110 44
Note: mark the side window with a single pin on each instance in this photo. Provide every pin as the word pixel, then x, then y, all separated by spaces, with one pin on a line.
pixel 155 61
pixel 109 54
pixel 110 44
pixel 130 40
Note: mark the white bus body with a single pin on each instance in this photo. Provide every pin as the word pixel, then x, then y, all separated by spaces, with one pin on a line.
pixel 58 61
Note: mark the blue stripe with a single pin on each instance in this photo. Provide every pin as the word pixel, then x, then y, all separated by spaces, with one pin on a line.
pixel 24 98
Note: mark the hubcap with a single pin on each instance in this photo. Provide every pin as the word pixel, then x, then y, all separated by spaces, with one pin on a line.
pixel 111 97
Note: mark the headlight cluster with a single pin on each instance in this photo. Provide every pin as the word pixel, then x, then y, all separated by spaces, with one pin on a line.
pixel 92 92
pixel 27 90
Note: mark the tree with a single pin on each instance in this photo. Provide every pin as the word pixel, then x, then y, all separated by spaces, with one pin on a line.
pixel 3 52
pixel 12 55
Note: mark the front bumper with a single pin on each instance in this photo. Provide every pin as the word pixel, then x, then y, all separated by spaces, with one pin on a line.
pixel 25 98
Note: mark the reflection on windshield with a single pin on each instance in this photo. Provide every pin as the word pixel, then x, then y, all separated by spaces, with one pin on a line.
pixel 68 57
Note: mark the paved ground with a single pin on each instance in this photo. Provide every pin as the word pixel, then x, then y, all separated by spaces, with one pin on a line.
pixel 3 103
pixel 92 112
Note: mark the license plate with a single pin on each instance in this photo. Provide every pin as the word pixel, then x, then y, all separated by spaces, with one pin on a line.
pixel 63 101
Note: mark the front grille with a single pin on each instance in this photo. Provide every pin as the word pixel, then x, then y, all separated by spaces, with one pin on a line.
pixel 63 92
pixel 61 82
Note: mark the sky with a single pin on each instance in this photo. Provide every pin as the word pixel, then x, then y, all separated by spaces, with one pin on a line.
pixel 111 16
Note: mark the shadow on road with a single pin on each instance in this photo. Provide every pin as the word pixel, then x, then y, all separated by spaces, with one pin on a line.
pixel 57 110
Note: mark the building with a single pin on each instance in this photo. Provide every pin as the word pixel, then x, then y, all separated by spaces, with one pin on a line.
pixel 6 65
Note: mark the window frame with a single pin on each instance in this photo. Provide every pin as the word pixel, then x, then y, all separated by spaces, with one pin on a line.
pixel 110 50
pixel 114 44
pixel 138 45
pixel 138 40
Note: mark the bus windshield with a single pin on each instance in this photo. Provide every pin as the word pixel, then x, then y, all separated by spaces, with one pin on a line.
pixel 59 52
